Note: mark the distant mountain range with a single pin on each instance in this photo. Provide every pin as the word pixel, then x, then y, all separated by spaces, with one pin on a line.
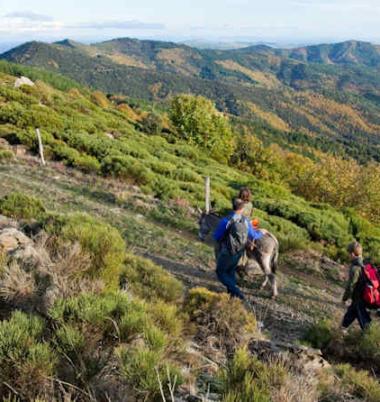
pixel 325 94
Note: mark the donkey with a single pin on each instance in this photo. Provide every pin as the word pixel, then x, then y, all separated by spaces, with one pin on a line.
pixel 265 251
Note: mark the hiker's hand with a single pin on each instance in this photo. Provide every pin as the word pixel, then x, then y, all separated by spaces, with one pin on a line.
pixel 344 303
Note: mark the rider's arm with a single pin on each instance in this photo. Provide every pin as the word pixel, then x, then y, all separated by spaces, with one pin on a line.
pixel 253 234
pixel 221 229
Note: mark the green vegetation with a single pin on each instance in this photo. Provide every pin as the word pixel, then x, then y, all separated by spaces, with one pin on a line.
pixel 146 280
pixel 219 316
pixel 323 97
pixel 103 244
pixel 350 383
pixel 246 379
pixel 20 206
pixel 198 122
pixel 75 131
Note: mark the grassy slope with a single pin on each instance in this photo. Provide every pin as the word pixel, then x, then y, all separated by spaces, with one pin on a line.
pixel 306 295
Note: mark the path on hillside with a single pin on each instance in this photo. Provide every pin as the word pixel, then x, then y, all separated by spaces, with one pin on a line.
pixel 303 298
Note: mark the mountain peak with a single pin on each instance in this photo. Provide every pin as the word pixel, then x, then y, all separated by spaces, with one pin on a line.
pixel 68 43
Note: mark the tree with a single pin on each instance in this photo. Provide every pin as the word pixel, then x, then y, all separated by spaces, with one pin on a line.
pixel 199 123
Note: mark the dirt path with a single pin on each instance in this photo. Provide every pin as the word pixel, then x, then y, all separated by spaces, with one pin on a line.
pixel 280 320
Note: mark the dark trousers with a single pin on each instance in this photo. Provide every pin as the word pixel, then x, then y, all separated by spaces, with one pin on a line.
pixel 357 311
pixel 226 271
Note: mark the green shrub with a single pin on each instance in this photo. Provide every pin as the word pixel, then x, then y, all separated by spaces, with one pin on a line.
pixel 358 383
pixel 87 164
pixel 102 242
pixel 217 315
pixel 320 334
pixel 246 379
pixel 127 167
pixel 21 206
pixel 149 281
pixel 143 368
pixel 69 339
pixel 25 362
pixel 167 317
pixel 6 155
pixel 369 344
pixel 163 188
pixel 151 124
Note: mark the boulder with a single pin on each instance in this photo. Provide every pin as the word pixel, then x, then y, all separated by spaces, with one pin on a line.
pixel 12 239
pixel 23 81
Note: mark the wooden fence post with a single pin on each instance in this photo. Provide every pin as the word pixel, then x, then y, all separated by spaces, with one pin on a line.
pixel 207 195
pixel 40 147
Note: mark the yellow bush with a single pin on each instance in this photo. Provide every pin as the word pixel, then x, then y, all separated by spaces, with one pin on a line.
pixel 218 315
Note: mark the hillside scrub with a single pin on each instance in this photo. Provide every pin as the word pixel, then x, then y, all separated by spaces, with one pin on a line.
pixel 148 281
pixel 21 206
pixel 102 242
pixel 358 348
pixel 74 128
pixel 221 317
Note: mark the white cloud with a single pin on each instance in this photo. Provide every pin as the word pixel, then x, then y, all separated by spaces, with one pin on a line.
pixel 29 15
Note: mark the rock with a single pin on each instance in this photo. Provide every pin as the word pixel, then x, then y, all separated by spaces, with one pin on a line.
pixel 301 358
pixel 6 222
pixel 20 150
pixel 4 144
pixel 23 81
pixel 11 239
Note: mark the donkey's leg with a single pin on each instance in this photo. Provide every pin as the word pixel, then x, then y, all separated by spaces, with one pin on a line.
pixel 265 282
pixel 273 282
pixel 266 266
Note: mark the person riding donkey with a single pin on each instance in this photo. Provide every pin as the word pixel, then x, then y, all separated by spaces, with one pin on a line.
pixel 354 289
pixel 233 234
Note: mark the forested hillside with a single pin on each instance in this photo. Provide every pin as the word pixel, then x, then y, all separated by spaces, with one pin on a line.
pixel 324 96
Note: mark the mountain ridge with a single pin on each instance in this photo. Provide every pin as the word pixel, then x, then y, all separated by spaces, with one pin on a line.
pixel 321 92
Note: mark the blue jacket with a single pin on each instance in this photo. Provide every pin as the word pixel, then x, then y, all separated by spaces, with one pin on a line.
pixel 222 229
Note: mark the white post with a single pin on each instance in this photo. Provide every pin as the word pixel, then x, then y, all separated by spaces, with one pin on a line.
pixel 207 194
pixel 40 147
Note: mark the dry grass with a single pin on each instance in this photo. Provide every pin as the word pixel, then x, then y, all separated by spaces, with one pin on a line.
pixel 16 285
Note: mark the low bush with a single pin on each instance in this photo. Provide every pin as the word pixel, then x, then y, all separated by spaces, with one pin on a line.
pixel 6 155
pixel 127 167
pixel 320 334
pixel 145 369
pixel 102 242
pixel 149 281
pixel 246 379
pixel 25 362
pixel 152 124
pixel 21 206
pixel 219 316
pixel 349 384
pixel 369 344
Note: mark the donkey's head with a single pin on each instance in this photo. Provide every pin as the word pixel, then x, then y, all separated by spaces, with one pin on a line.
pixel 207 223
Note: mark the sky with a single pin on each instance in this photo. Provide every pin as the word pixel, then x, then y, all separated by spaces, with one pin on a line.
pixel 281 22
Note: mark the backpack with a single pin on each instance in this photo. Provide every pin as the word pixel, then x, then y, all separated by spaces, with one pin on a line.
pixel 236 237
pixel 371 289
